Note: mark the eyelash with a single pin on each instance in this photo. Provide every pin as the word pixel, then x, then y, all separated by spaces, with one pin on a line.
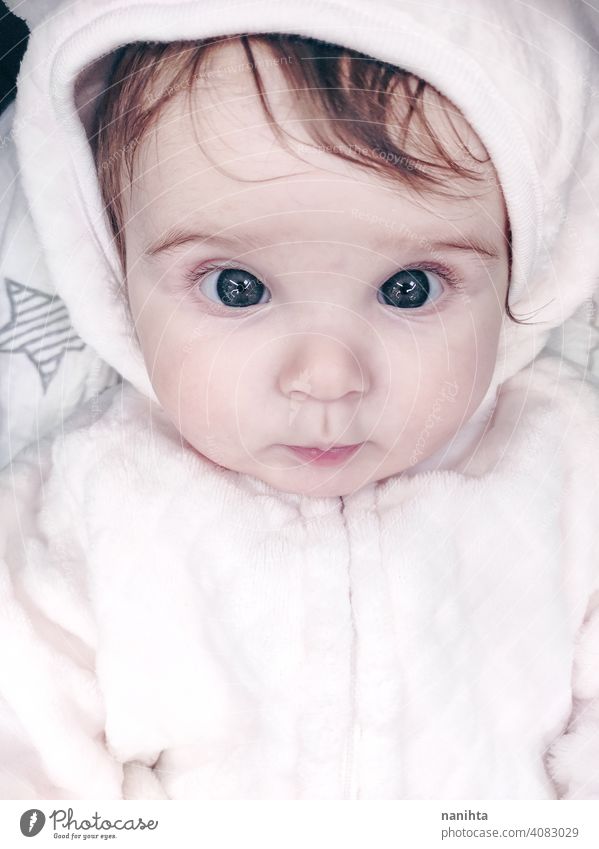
pixel 196 275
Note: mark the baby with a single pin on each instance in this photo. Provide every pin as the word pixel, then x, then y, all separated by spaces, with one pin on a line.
pixel 286 333
pixel 334 535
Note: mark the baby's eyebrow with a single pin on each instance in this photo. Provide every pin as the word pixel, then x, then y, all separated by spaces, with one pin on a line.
pixel 177 237
pixel 472 244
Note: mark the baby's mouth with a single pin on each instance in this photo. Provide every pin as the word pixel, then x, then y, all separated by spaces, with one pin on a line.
pixel 324 455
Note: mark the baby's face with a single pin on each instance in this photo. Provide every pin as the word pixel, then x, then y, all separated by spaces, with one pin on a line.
pixel 326 308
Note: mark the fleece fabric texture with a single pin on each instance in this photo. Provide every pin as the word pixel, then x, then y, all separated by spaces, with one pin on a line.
pixel 194 633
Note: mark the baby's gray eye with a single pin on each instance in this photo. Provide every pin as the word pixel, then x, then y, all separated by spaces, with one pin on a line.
pixel 407 289
pixel 236 287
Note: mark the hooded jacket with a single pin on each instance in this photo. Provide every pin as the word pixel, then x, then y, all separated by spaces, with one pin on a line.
pixel 180 630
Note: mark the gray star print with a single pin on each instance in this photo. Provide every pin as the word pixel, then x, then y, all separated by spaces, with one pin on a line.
pixel 40 328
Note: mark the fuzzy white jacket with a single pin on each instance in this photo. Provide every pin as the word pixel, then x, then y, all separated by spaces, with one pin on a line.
pixel 179 630
pixel 169 628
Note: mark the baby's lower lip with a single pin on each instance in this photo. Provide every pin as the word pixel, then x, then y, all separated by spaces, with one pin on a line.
pixel 324 458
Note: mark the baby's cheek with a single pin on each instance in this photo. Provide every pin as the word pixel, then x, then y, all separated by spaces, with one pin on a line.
pixel 161 334
pixel 206 393
pixel 177 349
pixel 437 415
pixel 438 380
pixel 473 362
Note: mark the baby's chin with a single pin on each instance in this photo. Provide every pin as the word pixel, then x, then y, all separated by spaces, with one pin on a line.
pixel 311 485
pixel 291 475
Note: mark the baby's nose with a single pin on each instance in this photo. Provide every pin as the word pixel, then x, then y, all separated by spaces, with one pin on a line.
pixel 321 367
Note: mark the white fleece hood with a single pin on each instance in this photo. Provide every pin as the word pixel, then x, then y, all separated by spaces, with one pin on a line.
pixel 525 75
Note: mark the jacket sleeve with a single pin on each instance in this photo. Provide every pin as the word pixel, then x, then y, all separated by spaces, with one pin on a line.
pixel 52 741
pixel 573 759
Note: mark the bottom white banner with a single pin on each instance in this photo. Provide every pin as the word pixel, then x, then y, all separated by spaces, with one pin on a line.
pixel 299 825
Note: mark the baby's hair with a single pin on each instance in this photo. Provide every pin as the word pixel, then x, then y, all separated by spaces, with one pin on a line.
pixel 351 91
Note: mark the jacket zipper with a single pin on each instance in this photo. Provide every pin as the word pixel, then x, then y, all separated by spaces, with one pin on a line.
pixel 350 766
pixel 350 771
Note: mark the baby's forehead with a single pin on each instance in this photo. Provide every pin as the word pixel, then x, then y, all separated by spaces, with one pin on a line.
pixel 182 158
pixel 213 140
